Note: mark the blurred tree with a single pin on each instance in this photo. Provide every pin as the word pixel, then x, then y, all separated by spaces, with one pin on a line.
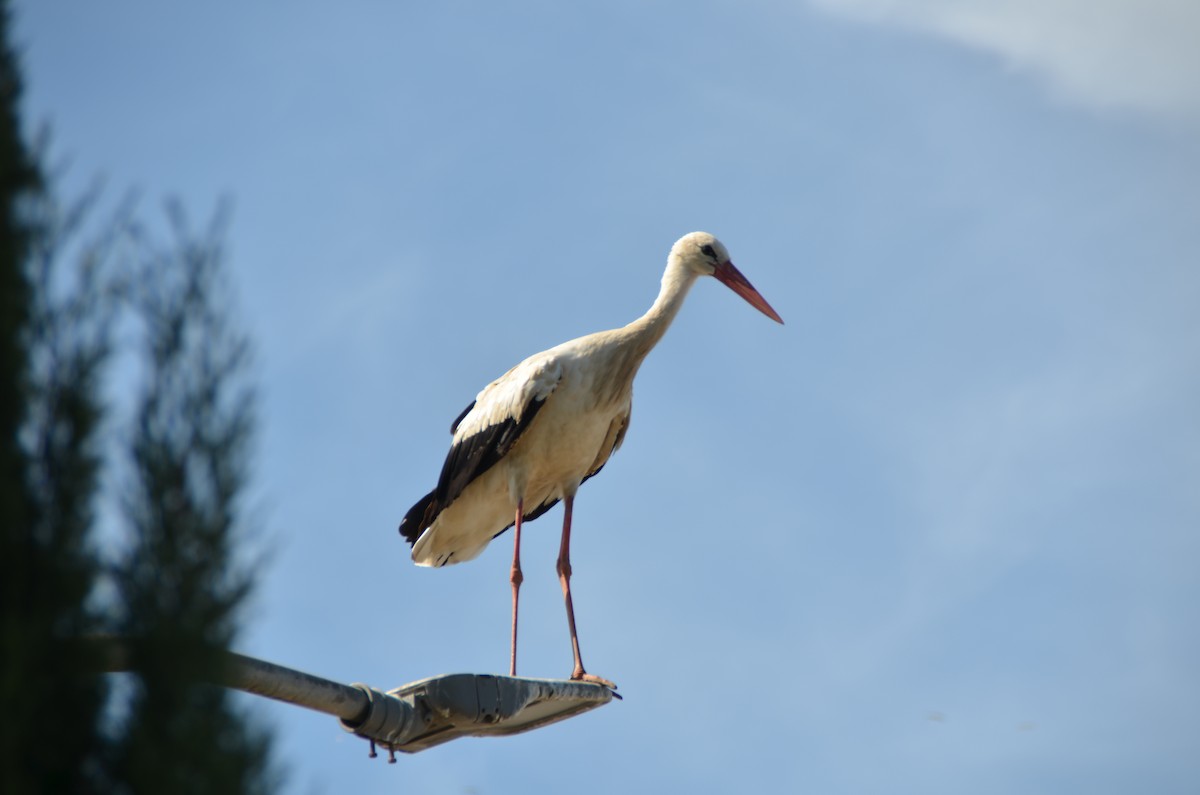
pixel 49 465
pixel 51 566
pixel 181 584
pixel 20 176
pixel 176 585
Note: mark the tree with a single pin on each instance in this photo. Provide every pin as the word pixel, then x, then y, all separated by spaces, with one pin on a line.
pixel 19 177
pixel 51 566
pixel 181 584
pixel 175 587
pixel 49 464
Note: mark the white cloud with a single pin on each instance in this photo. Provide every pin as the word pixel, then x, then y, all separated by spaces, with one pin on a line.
pixel 1139 54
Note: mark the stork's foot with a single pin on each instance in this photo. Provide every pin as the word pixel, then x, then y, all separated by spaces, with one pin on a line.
pixel 580 675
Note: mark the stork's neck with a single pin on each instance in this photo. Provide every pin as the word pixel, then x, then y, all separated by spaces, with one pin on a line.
pixel 647 330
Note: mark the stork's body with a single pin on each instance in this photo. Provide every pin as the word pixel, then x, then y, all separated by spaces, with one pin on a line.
pixel 573 401
pixel 532 436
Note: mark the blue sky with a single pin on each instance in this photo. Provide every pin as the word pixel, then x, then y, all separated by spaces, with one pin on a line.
pixel 938 533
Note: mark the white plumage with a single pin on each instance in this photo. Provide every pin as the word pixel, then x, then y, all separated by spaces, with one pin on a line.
pixel 533 435
pixel 547 461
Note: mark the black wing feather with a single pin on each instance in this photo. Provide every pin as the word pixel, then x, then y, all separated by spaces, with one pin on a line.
pixel 417 519
pixel 479 452
pixel 467 460
pixel 460 418
pixel 546 506
pixel 427 508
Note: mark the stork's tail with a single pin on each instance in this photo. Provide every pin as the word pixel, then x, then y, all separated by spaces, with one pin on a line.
pixel 418 518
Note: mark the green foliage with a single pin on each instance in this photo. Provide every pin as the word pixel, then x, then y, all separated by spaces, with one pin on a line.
pixel 49 416
pixel 18 177
pixel 176 584
pixel 50 565
pixel 180 584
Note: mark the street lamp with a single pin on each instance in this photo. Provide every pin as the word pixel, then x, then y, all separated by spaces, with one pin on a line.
pixel 413 717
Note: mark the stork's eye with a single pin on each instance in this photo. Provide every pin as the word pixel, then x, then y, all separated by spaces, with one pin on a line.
pixel 707 251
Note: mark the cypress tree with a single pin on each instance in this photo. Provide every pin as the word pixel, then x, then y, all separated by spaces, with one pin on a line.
pixel 182 584
pixel 176 588
pixel 52 351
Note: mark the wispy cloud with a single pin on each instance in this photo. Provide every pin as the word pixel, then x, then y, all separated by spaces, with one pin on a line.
pixel 1135 54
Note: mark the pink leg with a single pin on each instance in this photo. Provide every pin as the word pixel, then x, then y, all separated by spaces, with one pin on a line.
pixel 516 578
pixel 564 579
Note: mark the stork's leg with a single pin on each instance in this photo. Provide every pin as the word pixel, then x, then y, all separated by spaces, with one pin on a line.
pixel 516 578
pixel 564 579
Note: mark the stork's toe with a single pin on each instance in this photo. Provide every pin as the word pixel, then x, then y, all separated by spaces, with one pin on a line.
pixel 584 676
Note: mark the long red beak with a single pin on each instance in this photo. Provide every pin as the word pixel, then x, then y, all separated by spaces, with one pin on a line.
pixel 732 278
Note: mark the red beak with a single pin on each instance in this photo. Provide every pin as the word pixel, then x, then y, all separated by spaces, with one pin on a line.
pixel 732 278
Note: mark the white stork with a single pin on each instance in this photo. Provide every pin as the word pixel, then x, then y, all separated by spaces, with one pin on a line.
pixel 533 435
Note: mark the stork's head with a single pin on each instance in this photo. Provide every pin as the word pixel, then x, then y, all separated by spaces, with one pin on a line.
pixel 703 254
